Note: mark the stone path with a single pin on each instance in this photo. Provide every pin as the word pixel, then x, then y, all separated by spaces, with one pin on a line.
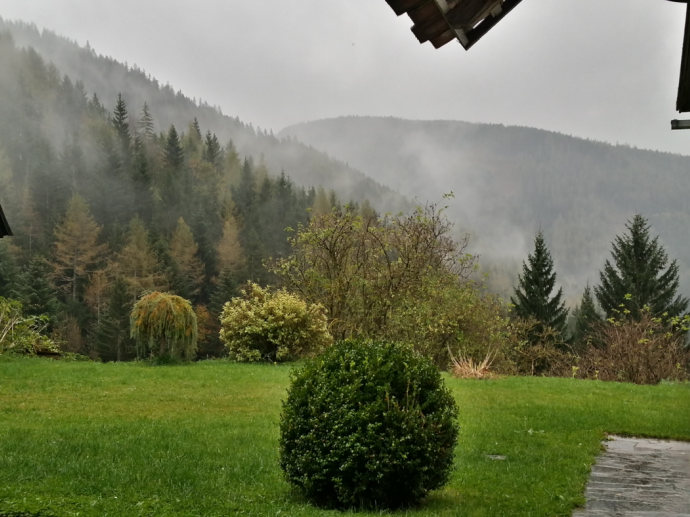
pixel 637 477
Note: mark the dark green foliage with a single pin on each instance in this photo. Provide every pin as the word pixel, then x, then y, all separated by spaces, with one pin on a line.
pixel 9 273
pixel 586 316
pixel 368 424
pixel 533 298
pixel 639 269
pixel 36 292
pixel 225 290
pixel 113 341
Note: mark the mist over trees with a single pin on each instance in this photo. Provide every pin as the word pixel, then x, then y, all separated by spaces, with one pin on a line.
pixel 109 78
pixel 510 182
pixel 107 204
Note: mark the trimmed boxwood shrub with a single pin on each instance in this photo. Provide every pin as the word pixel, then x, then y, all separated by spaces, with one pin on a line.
pixel 368 424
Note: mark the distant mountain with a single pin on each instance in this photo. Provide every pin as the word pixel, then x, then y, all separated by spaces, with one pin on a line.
pixel 107 78
pixel 509 182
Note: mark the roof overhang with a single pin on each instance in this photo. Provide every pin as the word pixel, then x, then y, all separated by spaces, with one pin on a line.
pixel 4 227
pixel 683 102
pixel 442 21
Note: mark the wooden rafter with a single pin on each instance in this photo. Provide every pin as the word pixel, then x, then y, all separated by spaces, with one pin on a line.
pixel 441 21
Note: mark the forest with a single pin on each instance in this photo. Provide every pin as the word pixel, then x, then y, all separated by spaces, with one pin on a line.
pixel 123 205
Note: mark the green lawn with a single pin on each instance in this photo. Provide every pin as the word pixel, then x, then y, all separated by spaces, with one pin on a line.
pixel 93 439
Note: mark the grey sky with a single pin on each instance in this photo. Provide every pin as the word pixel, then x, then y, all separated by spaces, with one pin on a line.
pixel 600 69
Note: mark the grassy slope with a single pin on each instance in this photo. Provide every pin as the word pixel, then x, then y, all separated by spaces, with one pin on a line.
pixel 126 439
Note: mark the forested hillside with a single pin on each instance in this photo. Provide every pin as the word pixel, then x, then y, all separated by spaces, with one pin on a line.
pixel 107 78
pixel 107 203
pixel 510 182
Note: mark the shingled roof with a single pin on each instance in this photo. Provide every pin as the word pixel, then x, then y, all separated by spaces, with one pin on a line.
pixel 4 227
pixel 441 21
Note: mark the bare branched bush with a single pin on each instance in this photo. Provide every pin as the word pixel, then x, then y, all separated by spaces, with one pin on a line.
pixel 642 352
pixel 539 350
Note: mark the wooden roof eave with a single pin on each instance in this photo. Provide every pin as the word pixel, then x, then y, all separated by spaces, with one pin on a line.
pixel 441 21
pixel 683 102
pixel 5 230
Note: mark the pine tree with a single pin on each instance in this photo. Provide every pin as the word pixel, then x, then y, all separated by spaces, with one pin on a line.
pixel 76 250
pixel 174 156
pixel 226 289
pixel 138 264
pixel 121 125
pixel 230 255
pixel 36 292
pixel 183 250
pixel 533 297
pixel 146 124
pixel 112 331
pixel 639 270
pixel 586 317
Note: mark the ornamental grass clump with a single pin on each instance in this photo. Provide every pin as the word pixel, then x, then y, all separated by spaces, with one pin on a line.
pixel 163 324
pixel 272 326
pixel 368 425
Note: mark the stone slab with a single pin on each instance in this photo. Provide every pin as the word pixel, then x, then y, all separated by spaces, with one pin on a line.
pixel 638 477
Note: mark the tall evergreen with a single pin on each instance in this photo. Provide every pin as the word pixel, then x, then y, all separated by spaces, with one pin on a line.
pixel 640 269
pixel 586 316
pixel 36 292
pixel 146 126
pixel 121 125
pixel 112 331
pixel 533 295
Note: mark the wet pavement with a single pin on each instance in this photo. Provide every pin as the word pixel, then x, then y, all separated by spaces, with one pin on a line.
pixel 638 477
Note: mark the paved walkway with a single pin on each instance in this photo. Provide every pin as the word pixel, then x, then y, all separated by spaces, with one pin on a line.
pixel 637 477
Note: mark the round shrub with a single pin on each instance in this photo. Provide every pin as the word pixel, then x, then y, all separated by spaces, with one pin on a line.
pixel 273 326
pixel 368 424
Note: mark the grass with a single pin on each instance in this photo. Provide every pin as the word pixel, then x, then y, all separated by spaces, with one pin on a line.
pixel 93 439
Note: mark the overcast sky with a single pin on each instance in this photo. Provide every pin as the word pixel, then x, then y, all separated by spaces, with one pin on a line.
pixel 600 69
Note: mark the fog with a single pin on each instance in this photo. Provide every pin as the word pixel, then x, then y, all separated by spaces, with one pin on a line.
pixel 601 70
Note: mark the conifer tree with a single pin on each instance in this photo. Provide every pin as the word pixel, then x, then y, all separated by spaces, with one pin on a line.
pixel 226 289
pixel 174 156
pixel 76 249
pixel 112 331
pixel 36 292
pixel 121 125
pixel 230 255
pixel 146 126
pixel 138 264
pixel 322 204
pixel 586 317
pixel 183 250
pixel 533 295
pixel 640 269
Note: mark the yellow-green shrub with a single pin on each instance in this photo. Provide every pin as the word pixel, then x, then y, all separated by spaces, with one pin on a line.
pixel 274 326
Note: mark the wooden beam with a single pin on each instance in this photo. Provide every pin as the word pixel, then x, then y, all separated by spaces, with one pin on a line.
pixel 683 102
pixel 469 13
pixel 432 27
pixel 474 35
pixel 402 6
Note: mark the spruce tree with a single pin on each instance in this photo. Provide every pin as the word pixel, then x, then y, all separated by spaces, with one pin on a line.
pixel 533 295
pixel 586 316
pixel 112 332
pixel 641 270
pixel 146 123
pixel 36 292
pixel 121 125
